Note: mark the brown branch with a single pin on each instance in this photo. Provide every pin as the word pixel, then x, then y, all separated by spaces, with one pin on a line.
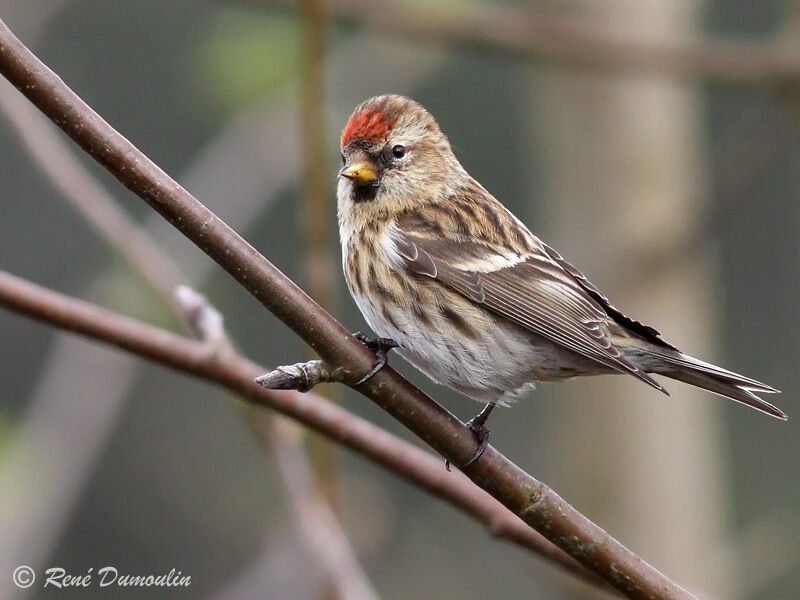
pixel 570 41
pixel 228 369
pixel 526 497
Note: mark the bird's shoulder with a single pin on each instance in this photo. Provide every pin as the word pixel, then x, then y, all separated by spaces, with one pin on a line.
pixel 470 214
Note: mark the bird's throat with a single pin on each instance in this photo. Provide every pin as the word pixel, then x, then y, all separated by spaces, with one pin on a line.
pixel 366 192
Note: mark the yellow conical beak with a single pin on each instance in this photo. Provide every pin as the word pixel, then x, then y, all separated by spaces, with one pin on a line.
pixel 361 172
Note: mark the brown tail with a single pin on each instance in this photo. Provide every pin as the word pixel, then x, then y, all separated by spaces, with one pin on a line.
pixel 716 379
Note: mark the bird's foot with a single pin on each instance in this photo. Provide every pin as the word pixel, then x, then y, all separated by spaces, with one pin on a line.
pixel 477 425
pixel 380 346
pixel 482 434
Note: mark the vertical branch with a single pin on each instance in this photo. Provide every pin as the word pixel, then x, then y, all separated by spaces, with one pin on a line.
pixel 315 218
pixel 315 221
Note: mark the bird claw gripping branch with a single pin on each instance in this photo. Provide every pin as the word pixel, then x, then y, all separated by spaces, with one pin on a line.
pixel 477 425
pixel 380 346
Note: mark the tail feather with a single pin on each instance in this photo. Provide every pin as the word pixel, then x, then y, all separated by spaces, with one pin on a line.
pixel 717 380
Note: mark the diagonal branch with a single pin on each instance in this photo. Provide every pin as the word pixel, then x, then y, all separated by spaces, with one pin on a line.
pixel 221 365
pixel 52 154
pixel 534 502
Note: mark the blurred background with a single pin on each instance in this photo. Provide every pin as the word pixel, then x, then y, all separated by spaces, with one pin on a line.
pixel 663 164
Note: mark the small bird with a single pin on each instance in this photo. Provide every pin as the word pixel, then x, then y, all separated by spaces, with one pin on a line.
pixel 442 271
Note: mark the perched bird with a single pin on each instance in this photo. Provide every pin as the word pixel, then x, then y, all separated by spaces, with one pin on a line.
pixel 441 269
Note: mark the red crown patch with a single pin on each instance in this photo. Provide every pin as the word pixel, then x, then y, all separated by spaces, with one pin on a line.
pixel 369 124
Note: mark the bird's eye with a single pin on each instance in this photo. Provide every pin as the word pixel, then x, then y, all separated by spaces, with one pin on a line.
pixel 398 151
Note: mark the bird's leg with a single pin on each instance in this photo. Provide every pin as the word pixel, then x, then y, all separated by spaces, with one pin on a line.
pixel 380 346
pixel 477 425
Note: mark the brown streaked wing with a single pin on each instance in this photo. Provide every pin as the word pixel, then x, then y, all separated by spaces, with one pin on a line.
pixel 647 332
pixel 536 293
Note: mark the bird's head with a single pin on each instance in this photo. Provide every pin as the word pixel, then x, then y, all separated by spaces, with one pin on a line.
pixel 394 158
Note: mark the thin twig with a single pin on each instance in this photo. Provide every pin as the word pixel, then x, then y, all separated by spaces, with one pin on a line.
pixel 31 534
pixel 236 373
pixel 526 497
pixel 570 40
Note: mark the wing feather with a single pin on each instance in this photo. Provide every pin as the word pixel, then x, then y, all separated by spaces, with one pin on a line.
pixel 531 290
pixel 647 332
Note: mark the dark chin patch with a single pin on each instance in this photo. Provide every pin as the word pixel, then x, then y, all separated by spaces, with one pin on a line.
pixel 366 192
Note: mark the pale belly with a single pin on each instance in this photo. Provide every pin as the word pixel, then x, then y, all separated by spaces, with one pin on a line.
pixel 497 365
